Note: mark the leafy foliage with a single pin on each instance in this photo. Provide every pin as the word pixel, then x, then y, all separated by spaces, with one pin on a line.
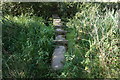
pixel 93 40
pixel 29 45
pixel 95 44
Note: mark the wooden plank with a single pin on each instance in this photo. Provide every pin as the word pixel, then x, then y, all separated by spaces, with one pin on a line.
pixel 60 31
pixel 57 22
pixel 58 58
pixel 60 37
pixel 61 42
pixel 55 16
pixel 60 26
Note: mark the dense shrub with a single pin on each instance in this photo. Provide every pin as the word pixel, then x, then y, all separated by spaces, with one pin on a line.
pixel 41 9
pixel 27 47
pixel 46 9
pixel 93 48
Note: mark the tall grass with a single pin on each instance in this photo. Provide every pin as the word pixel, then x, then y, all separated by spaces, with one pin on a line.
pixel 93 48
pixel 27 47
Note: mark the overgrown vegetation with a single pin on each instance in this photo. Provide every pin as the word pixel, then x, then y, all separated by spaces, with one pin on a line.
pixel 93 41
pixel 27 47
pixel 95 47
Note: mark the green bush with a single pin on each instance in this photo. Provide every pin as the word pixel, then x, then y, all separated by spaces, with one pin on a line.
pixel 93 47
pixel 27 47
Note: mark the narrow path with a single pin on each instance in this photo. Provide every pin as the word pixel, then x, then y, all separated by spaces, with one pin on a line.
pixel 58 58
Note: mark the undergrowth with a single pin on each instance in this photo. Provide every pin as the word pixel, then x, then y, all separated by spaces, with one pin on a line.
pixel 93 45
pixel 27 47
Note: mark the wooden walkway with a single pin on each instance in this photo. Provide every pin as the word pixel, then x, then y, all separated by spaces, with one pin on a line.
pixel 58 58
